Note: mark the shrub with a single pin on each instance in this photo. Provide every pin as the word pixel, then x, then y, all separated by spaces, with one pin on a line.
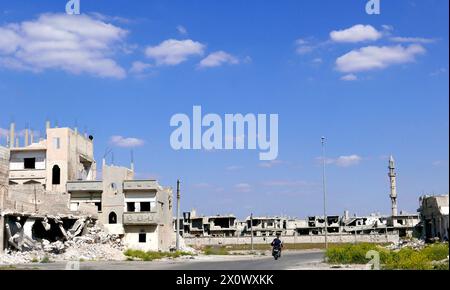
pixel 350 253
pixel 404 259
pixel 150 256
pixel 45 259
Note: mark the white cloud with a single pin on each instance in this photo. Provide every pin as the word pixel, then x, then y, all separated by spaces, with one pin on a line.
pixel 76 45
pixel 374 57
pixel 355 34
pixel 173 52
pixel 440 71
pixel 286 183
pixel 139 67
pixel 346 161
pixel 349 78
pixel 108 18
pixel 412 39
pixel 343 161
pixel 387 27
pixel 233 167
pixel 129 142
pixel 202 185
pixel 243 187
pixel 317 60
pixel 218 58
pixel 270 164
pixel 182 30
pixel 303 46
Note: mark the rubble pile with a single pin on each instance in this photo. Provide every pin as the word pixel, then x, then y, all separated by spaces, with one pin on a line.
pixel 414 244
pixel 95 244
pixel 183 247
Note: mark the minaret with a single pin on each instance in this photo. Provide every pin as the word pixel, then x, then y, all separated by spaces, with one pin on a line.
pixel 392 177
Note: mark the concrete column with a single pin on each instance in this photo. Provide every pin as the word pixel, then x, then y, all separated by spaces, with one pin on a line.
pixel 27 138
pixel 2 231
pixel 12 137
pixel 27 227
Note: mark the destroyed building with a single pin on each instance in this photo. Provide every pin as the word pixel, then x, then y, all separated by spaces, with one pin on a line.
pixel 434 217
pixel 264 226
pixel 404 225
pixel 49 191
pixel 399 224
pixel 208 226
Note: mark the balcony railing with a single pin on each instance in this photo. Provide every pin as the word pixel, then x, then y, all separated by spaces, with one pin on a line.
pixel 27 174
pixel 80 186
pixel 140 185
pixel 141 218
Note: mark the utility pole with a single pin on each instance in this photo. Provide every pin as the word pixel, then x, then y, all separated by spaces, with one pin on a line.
pixel 324 193
pixel 251 230
pixel 178 217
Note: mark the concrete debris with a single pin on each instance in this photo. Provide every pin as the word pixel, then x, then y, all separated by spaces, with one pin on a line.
pixel 183 247
pixel 414 244
pixel 94 245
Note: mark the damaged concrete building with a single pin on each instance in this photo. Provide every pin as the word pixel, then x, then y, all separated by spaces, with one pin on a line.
pixel 49 191
pixel 434 211
pixel 403 225
pixel 337 227
pixel 208 226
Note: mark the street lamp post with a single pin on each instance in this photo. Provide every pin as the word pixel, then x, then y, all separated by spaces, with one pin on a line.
pixel 324 192
pixel 177 236
pixel 251 230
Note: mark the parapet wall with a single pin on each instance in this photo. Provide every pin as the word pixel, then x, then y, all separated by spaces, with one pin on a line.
pixel 206 241
pixel 34 199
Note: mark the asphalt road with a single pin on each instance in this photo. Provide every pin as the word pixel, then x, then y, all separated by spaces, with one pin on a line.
pixel 289 261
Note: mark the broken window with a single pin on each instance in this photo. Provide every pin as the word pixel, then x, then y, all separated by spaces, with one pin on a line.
pixel 131 207
pixel 29 163
pixel 142 237
pixel 145 206
pixel 222 222
pixel 112 219
pixel 56 175
pixel 197 223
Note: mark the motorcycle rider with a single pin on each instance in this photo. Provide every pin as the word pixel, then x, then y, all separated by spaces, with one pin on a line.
pixel 277 243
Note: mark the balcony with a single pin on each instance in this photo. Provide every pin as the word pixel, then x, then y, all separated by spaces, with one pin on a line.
pixel 141 218
pixel 84 186
pixel 137 185
pixel 27 174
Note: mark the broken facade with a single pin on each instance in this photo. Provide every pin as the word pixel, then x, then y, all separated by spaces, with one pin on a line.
pixel 404 225
pixel 434 215
pixel 192 225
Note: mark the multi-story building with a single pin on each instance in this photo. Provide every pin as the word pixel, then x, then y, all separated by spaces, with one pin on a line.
pixel 208 226
pixel 57 176
pixel 64 155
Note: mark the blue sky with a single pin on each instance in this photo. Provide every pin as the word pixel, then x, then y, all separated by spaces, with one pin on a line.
pixel 377 85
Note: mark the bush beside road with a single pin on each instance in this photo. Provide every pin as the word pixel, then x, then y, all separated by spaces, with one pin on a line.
pixel 428 257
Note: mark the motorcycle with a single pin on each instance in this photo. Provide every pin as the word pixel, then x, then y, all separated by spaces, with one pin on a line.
pixel 276 253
